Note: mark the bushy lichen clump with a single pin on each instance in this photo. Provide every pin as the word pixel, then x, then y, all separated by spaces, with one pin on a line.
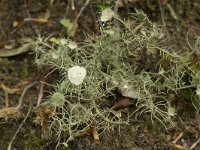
pixel 128 53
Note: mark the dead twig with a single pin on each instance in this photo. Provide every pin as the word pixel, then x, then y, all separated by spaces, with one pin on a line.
pixel 41 92
pixel 20 126
pixel 71 31
pixel 23 93
pixel 96 25
pixel 6 95
pixel 178 147
pixel 178 138
pixel 17 108
pixel 37 20
pixel 195 144
pixel 82 10
pixel 73 5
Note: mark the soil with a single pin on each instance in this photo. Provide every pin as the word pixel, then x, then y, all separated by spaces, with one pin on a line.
pixel 182 23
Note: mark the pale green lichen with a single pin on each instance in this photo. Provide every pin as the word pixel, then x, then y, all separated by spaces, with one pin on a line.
pixel 135 56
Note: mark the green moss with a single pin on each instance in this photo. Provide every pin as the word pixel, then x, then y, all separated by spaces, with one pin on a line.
pixel 32 142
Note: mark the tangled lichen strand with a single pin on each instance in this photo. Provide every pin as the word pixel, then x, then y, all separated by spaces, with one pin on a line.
pixel 133 56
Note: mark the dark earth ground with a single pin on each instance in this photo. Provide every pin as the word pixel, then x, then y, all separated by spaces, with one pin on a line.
pixel 16 71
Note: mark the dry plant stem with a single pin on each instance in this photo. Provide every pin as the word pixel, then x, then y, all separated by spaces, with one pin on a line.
pixel 96 25
pixel 2 30
pixel 49 73
pixel 178 147
pixel 6 99
pixel 40 95
pixel 37 20
pixel 51 3
pixel 123 23
pixel 72 3
pixel 195 144
pixel 162 13
pixel 6 95
pixel 17 28
pixel 81 10
pixel 187 39
pixel 20 126
pixel 176 140
pixel 23 93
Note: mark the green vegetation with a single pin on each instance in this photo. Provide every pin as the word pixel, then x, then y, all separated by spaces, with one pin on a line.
pixel 127 53
pixel 32 142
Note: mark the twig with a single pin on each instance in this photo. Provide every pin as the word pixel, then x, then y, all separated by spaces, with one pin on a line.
pixel 71 31
pixel 96 25
pixel 2 30
pixel 20 126
pixel 41 92
pixel 195 144
pixel 82 10
pixel 72 3
pixel 37 20
pixel 23 93
pixel 6 99
pixel 162 13
pixel 6 94
pixel 178 137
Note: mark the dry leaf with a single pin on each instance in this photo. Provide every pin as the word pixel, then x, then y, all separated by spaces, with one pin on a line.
pixel 95 134
pixel 87 131
pixel 71 31
pixel 178 147
pixel 122 103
